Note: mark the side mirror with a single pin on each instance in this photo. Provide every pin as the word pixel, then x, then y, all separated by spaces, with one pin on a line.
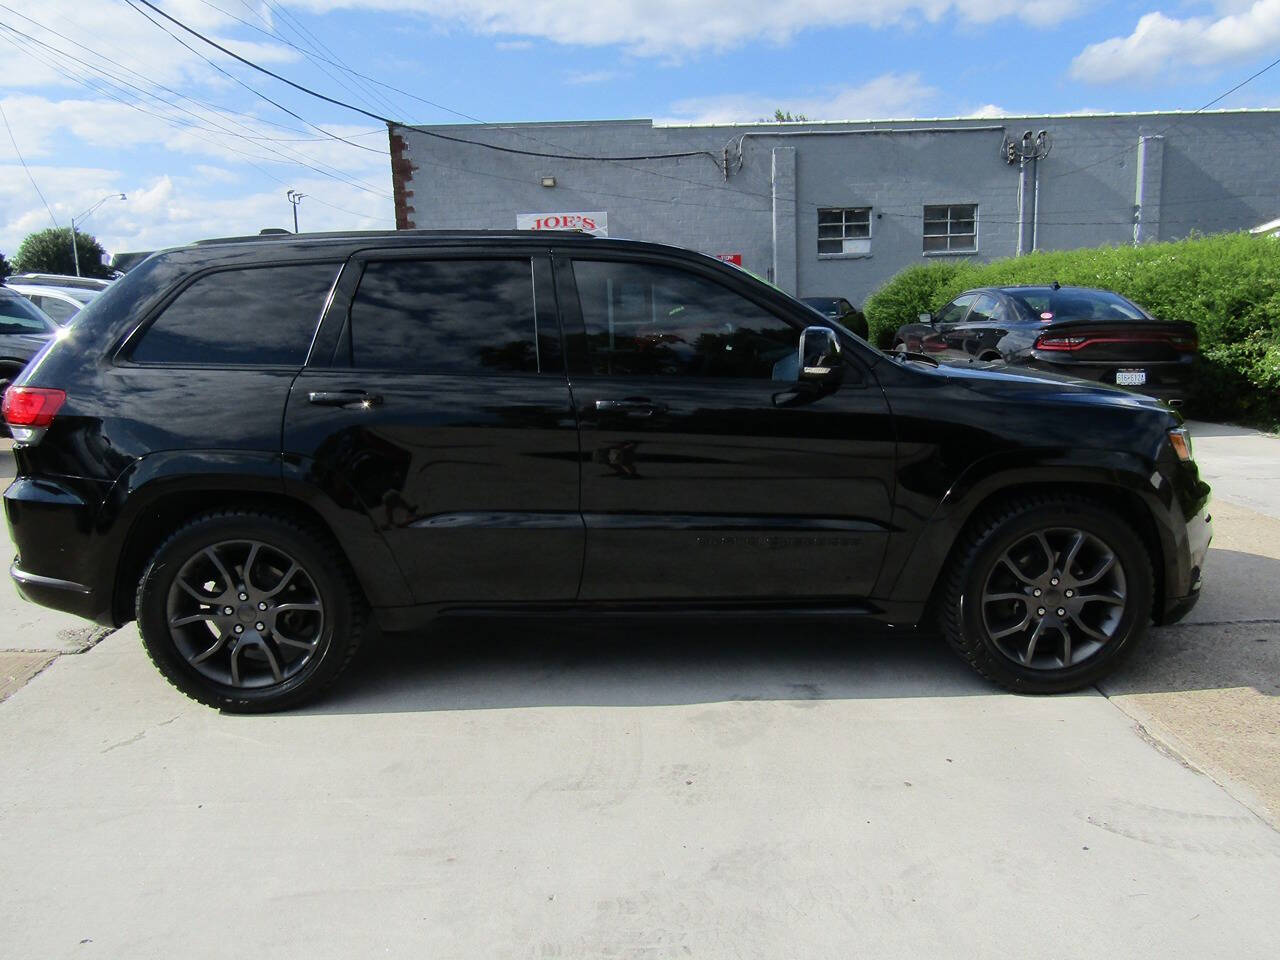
pixel 926 318
pixel 820 360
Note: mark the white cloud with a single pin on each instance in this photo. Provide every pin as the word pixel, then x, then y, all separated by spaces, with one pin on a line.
pixel 588 77
pixel 888 95
pixel 125 36
pixel 666 27
pixel 988 111
pixel 1160 43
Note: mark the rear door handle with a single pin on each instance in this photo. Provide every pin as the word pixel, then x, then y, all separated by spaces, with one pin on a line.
pixel 343 398
pixel 631 407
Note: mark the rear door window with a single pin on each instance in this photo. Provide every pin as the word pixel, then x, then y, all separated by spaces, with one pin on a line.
pixel 468 317
pixel 259 316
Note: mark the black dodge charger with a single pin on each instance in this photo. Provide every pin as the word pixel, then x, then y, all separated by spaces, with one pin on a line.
pixel 1075 331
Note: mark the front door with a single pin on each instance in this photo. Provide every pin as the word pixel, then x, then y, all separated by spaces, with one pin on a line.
pixel 443 413
pixel 706 473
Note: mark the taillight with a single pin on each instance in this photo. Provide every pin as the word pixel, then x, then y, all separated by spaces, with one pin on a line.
pixel 1058 343
pixel 31 408
pixel 1186 344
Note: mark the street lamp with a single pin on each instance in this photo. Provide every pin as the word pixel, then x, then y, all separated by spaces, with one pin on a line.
pixel 295 198
pixel 75 254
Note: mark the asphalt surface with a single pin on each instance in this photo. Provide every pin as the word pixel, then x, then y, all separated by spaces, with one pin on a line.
pixel 532 790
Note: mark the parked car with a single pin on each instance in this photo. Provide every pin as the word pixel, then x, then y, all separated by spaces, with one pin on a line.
pixel 1074 331
pixel 61 280
pixel 255 445
pixel 60 303
pixel 840 310
pixel 24 329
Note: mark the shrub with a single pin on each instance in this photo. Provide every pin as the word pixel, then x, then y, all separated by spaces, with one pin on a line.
pixel 1227 285
pixel 912 292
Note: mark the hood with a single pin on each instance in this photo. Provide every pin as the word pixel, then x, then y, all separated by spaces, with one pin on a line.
pixel 1023 385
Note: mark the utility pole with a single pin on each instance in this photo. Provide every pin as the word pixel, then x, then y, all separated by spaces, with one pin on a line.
pixel 75 251
pixel 295 198
pixel 1028 152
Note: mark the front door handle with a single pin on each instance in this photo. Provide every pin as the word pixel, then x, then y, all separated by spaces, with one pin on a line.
pixel 631 407
pixel 343 398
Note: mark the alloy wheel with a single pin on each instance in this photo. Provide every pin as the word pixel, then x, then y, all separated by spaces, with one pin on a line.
pixel 1054 598
pixel 245 614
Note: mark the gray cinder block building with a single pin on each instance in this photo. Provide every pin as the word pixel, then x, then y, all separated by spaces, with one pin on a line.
pixel 838 208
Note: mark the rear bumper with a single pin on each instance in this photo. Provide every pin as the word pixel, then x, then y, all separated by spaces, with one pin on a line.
pixel 64 595
pixel 1166 380
pixel 60 562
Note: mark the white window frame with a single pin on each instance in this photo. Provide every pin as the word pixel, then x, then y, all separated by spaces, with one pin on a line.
pixel 853 245
pixel 951 251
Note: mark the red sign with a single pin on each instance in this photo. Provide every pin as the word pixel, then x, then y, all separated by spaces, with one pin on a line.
pixel 734 258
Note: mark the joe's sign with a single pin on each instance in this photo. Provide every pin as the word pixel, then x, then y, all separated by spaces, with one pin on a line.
pixel 596 223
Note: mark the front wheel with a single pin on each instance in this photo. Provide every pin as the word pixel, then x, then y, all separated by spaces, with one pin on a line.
pixel 1047 594
pixel 249 612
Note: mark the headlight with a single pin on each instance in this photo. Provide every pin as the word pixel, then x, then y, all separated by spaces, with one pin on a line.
pixel 1180 440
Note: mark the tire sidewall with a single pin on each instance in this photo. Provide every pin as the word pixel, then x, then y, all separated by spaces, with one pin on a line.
pixel 1129 551
pixel 152 611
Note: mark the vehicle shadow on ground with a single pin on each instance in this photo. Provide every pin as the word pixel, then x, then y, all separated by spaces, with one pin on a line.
pixel 491 664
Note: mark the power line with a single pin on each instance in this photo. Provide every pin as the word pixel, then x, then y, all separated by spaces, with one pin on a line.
pixel 387 120
pixel 1218 99
pixel 338 175
pixel 235 79
pixel 30 177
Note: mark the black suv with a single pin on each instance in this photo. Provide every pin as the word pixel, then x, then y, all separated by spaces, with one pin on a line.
pixel 253 445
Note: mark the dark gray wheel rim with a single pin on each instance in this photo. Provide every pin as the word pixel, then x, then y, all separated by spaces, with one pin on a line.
pixel 245 614
pixel 1054 599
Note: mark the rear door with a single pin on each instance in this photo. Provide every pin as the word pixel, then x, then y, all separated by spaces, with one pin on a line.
pixel 436 404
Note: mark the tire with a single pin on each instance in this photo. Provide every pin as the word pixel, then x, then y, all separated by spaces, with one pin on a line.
pixel 250 644
pixel 997 563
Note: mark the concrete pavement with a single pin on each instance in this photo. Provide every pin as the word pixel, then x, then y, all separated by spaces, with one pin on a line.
pixel 511 790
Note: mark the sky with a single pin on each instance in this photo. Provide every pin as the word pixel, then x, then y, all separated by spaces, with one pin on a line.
pixel 101 100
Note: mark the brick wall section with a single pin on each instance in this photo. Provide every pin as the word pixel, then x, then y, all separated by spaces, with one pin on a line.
pixel 1217 172
pixel 401 179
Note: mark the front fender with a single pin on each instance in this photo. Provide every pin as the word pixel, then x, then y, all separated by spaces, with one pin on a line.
pixel 911 575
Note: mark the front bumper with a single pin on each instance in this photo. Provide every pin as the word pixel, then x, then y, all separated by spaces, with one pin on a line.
pixel 1199 534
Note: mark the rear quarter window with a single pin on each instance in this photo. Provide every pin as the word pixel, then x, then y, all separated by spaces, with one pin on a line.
pixel 257 316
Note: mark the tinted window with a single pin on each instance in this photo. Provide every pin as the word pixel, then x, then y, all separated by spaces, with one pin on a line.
pixel 953 312
pixel 1068 304
pixel 445 316
pixel 650 320
pixel 265 316
pixel 987 310
pixel 18 315
pixel 60 310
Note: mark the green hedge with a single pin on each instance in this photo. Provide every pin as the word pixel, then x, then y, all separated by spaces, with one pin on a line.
pixel 1228 285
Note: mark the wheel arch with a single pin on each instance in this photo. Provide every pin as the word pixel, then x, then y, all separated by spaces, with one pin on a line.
pixel 147 513
pixel 1120 490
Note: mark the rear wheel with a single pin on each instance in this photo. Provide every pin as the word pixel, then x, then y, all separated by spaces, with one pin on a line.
pixel 249 612
pixel 1047 594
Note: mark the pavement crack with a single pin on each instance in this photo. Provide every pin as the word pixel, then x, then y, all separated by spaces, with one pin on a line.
pixel 124 743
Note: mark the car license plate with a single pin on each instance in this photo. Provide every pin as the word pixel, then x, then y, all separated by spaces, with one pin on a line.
pixel 1130 378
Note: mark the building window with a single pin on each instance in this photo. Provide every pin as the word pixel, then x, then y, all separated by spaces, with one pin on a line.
pixel 844 232
pixel 951 229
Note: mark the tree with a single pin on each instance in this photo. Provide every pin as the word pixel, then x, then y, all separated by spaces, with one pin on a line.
pixel 49 251
pixel 784 116
pixel 5 269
